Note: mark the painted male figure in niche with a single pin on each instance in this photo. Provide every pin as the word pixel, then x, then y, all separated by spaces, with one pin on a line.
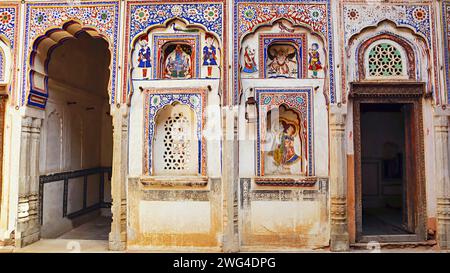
pixel 209 55
pixel 249 60
pixel 314 59
pixel 282 62
pixel 178 64
pixel 144 56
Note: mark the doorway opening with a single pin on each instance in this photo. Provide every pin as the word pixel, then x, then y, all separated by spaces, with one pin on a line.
pixel 384 184
pixel 76 141
pixel 389 175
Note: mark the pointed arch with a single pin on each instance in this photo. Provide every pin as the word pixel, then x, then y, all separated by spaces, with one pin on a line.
pixel 40 56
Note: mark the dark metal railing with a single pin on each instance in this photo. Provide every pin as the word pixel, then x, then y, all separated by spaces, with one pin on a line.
pixel 65 177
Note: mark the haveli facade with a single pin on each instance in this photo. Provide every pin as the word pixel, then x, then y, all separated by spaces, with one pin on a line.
pixel 224 125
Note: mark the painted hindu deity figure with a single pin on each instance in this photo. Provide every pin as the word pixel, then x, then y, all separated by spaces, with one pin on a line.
pixel 282 62
pixel 314 60
pixel 249 61
pixel 209 54
pixel 144 56
pixel 178 64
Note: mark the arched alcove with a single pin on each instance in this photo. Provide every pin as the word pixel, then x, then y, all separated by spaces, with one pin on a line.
pixel 200 52
pixel 175 141
pixel 285 142
pixel 300 51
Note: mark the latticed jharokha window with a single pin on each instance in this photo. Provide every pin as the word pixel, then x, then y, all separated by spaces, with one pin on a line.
pixel 385 60
pixel 176 142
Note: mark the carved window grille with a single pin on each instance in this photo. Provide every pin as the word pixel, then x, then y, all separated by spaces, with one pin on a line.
pixel 177 144
pixel 385 60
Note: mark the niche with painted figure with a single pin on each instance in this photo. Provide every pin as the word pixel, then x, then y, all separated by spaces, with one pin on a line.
pixel 175 145
pixel 284 143
pixel 282 50
pixel 282 60
pixel 177 61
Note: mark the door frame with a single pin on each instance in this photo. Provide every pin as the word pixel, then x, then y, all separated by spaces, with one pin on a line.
pixel 401 93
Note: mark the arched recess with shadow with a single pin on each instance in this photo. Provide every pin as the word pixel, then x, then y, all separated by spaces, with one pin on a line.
pixel 69 79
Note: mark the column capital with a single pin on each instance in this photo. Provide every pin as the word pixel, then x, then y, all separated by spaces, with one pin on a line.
pixel 338 114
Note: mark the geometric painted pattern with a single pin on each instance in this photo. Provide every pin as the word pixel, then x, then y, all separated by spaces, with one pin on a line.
pixel 102 16
pixel 446 37
pixel 385 60
pixel 298 99
pixel 250 14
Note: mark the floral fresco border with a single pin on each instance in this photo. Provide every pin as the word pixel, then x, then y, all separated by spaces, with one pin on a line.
pixel 446 37
pixel 294 98
pixel 141 15
pixel 416 15
pixel 156 100
pixel 9 29
pixel 250 14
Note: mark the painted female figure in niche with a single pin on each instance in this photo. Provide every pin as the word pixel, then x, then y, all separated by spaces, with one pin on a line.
pixel 284 154
pixel 144 56
pixel 209 55
pixel 249 61
pixel 314 60
pixel 282 61
pixel 283 142
pixel 178 62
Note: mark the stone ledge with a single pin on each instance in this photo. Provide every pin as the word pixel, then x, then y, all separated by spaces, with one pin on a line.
pixel 309 181
pixel 174 181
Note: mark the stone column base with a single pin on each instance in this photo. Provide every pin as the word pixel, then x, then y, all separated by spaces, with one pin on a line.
pixel 339 242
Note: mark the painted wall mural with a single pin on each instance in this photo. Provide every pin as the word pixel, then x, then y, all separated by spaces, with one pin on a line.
pixel 284 133
pixel 177 56
pixel 446 22
pixel 250 14
pixel 250 65
pixel 9 33
pixel 282 55
pixel 8 24
pixel 41 17
pixel 418 17
pixel 154 101
pixel 144 56
pixel 209 55
pixel 209 16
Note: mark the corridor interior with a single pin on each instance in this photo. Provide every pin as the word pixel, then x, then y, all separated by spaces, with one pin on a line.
pixel 76 142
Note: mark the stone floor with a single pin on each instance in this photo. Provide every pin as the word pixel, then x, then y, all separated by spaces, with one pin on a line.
pixel 96 229
pixel 93 237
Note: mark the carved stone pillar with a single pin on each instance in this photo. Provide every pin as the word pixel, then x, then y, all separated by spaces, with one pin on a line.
pixel 338 180
pixel 229 177
pixel 443 180
pixel 118 234
pixel 28 226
